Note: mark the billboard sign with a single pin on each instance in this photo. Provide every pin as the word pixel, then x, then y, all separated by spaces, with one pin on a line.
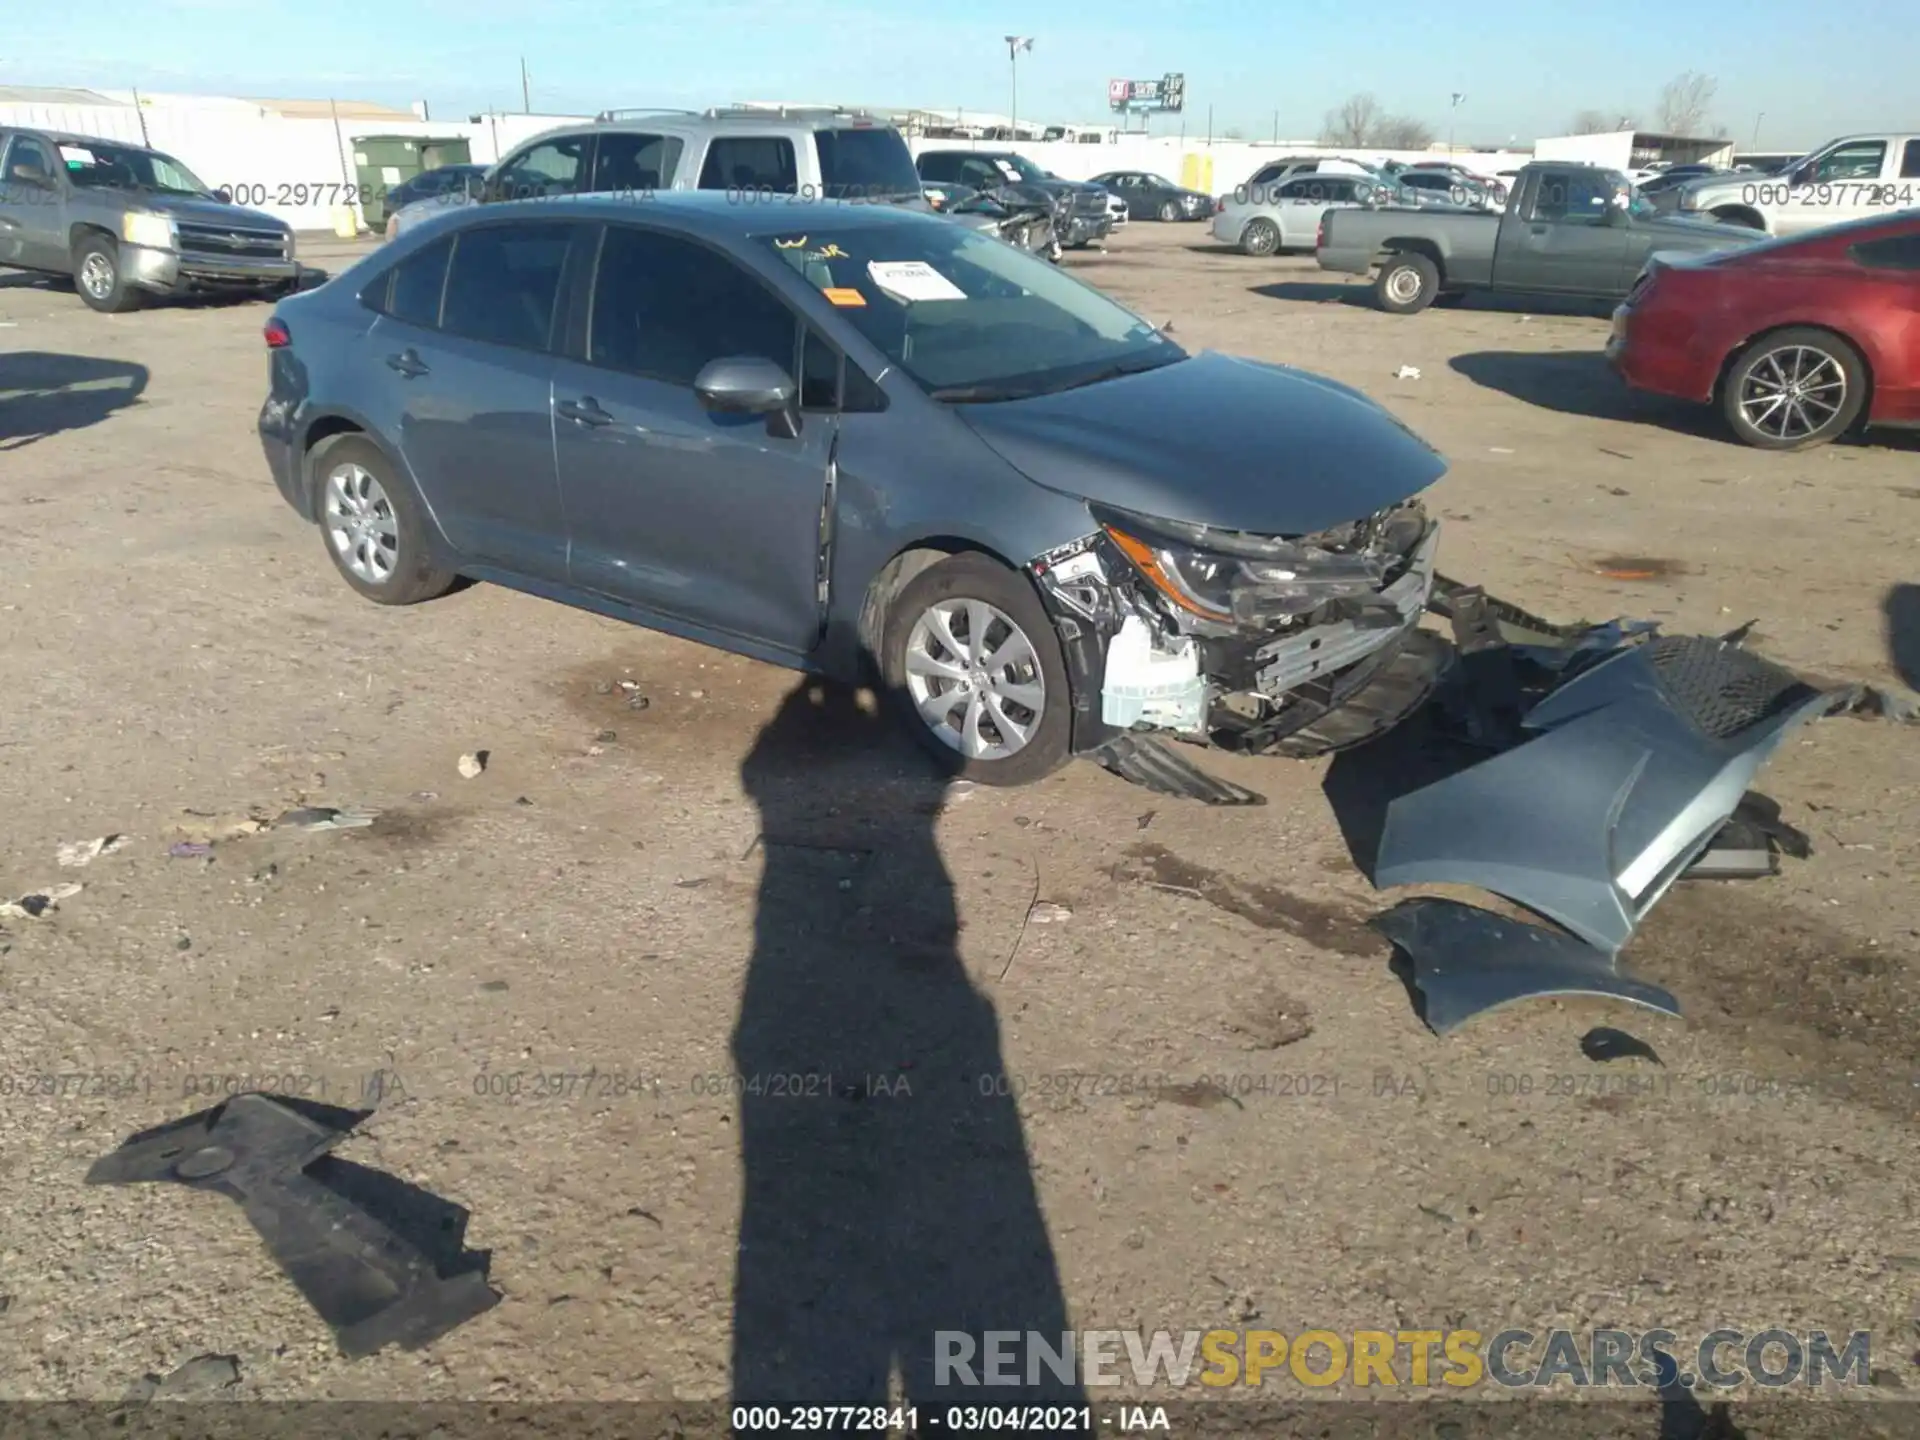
pixel 1168 93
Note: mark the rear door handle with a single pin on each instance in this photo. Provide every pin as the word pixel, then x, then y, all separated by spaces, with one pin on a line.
pixel 407 363
pixel 585 411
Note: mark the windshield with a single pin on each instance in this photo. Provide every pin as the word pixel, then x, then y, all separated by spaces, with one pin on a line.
pixel 1020 166
pixel 969 317
pixel 870 164
pixel 95 165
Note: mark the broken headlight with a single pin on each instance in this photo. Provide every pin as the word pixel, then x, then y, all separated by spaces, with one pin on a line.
pixel 1230 577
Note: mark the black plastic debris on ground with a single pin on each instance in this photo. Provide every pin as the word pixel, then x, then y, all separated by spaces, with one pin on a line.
pixel 383 1262
pixel 1154 765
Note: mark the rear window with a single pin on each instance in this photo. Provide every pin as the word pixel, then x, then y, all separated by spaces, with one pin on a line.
pixel 865 164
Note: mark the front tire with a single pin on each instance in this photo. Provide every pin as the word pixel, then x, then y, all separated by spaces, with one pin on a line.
pixel 1794 389
pixel 973 668
pixel 1261 237
pixel 374 529
pixel 1408 284
pixel 99 279
pixel 1169 212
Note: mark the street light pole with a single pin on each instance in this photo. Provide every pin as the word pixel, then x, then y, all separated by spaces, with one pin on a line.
pixel 1015 44
pixel 1452 110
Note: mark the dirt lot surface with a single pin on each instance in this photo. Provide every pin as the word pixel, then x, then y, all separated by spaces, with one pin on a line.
pixel 1192 1096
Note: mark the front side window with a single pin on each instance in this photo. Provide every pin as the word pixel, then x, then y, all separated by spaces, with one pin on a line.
pixel 29 153
pixel 664 307
pixel 503 282
pixel 764 164
pixel 1860 160
pixel 554 167
pixel 1579 196
pixel 971 319
pixel 627 162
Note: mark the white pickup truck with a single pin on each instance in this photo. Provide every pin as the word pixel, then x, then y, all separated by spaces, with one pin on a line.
pixel 1847 179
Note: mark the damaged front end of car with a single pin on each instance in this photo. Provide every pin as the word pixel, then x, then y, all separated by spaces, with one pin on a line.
pixel 1295 645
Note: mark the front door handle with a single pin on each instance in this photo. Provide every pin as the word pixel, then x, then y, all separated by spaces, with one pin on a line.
pixel 407 363
pixel 584 411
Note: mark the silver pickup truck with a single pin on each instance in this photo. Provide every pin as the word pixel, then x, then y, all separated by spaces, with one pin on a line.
pixel 127 222
pixel 1568 229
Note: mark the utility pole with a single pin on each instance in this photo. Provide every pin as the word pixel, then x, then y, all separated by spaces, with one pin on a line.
pixel 1015 44
pixel 1276 127
pixel 141 112
pixel 1209 127
pixel 1756 129
pixel 1451 112
pixel 526 94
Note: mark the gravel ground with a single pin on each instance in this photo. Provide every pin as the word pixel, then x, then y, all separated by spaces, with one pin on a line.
pixel 1186 1091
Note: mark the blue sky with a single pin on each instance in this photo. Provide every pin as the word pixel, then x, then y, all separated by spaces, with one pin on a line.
pixel 1525 69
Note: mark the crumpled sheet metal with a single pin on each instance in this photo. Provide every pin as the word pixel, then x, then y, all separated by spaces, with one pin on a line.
pixel 1634 764
pixel 399 1277
pixel 1467 961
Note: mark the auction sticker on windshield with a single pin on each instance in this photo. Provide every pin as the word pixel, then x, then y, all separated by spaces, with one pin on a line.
pixel 842 295
pixel 74 155
pixel 909 281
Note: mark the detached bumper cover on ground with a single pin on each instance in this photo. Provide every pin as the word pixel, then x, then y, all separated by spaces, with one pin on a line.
pixel 1636 764
pixel 1616 781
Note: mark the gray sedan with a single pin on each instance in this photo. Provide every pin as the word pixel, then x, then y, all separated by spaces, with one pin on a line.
pixel 1266 220
pixel 1154 196
pixel 868 444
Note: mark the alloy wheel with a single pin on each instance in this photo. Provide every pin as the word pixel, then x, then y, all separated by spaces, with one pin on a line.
pixel 1793 392
pixel 96 275
pixel 361 525
pixel 975 678
pixel 1403 286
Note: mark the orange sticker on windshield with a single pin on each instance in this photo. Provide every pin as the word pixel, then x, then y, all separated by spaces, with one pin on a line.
pixel 841 295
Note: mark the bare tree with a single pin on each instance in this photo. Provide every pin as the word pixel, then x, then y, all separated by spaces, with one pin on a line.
pixel 1353 123
pixel 1233 132
pixel 1401 132
pixel 1602 122
pixel 1685 101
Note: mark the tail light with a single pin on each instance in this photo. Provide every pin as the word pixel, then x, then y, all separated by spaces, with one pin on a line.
pixel 1220 205
pixel 1320 234
pixel 277 335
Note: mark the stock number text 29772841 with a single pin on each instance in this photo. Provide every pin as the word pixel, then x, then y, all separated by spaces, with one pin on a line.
pixel 1840 195
pixel 302 192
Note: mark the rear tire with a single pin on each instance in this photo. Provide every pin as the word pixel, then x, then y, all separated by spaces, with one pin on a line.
pixel 375 530
pixel 99 279
pixel 1794 389
pixel 1408 283
pixel 1261 237
pixel 1029 692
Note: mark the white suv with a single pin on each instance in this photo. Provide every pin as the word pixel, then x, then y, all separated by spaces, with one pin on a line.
pixel 747 151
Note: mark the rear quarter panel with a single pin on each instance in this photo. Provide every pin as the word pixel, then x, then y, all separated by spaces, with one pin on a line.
pixel 1462 245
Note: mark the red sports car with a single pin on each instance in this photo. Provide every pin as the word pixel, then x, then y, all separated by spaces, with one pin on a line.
pixel 1797 341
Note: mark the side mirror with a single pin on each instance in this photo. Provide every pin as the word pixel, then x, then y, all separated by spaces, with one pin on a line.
pixel 749 385
pixel 223 195
pixel 23 174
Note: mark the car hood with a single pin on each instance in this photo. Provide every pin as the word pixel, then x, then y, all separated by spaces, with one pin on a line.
pixel 1216 440
pixel 202 212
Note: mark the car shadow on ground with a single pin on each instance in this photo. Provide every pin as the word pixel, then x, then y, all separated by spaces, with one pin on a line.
pixel 1902 610
pixel 42 393
pixel 1575 382
pixel 1316 292
pixel 888 1194
pixel 1360 784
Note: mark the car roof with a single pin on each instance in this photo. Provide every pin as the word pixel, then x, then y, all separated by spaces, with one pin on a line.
pixel 67 137
pixel 713 214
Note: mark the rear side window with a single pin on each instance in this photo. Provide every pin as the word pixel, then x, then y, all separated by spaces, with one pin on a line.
pixel 417 285
pixel 1889 252
pixel 502 283
pixel 635 162
pixel 750 162
pixel 1910 161
pixel 866 163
